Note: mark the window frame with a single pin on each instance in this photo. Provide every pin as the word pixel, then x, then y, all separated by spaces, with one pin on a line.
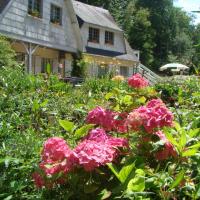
pixel 56 11
pixel 124 71
pixel 109 37
pixel 94 35
pixel 34 9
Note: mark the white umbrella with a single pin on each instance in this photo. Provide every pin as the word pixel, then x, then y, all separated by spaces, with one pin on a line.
pixel 173 66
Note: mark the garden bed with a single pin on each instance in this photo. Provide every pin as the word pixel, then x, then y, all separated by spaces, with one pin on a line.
pixel 105 140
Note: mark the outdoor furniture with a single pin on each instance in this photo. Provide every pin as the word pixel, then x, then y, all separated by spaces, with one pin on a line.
pixel 73 80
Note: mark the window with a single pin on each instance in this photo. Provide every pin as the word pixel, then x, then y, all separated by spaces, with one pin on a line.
pixel 109 37
pixel 35 8
pixel 103 70
pixel 56 15
pixel 93 35
pixel 124 71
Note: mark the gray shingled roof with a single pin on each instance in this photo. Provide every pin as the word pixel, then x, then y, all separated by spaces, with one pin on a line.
pixel 95 15
pixel 129 57
pixel 130 54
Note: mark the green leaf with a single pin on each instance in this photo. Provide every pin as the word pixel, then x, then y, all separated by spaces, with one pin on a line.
pixel 127 100
pixel 137 184
pixel 109 95
pixel 105 194
pixel 171 139
pixel 190 152
pixel 197 191
pixel 141 100
pixel 35 106
pixel 8 198
pixel 81 132
pixel 177 126
pixel 183 139
pixel 44 103
pixel 114 169
pixel 194 132
pixel 125 172
pixel 67 125
pixel 195 146
pixel 178 180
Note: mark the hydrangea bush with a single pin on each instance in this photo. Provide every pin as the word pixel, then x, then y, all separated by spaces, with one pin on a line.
pixel 129 149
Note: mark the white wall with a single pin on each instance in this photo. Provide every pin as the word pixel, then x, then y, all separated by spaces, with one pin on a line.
pixel 119 44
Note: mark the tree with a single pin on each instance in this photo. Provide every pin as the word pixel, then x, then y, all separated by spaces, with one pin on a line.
pixel 139 32
pixel 161 22
pixel 196 43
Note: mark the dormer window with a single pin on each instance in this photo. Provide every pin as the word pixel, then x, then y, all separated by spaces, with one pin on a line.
pixel 109 37
pixel 93 35
pixel 56 15
pixel 35 8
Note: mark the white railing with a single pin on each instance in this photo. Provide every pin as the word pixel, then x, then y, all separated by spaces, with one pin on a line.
pixel 152 77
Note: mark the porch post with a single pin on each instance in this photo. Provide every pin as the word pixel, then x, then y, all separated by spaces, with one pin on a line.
pixel 29 58
pixel 30 50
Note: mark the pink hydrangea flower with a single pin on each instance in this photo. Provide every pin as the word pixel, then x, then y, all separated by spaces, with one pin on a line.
pixel 56 156
pixel 135 120
pixel 168 149
pixel 108 120
pixel 154 115
pixel 155 102
pixel 97 135
pixel 117 142
pixel 55 149
pixel 137 81
pixel 101 117
pixel 92 154
pixel 98 148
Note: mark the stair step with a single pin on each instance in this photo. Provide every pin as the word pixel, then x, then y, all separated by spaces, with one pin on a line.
pixel 151 76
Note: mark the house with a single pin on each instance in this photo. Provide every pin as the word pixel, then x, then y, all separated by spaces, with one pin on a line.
pixel 53 32
pixel 104 46
pixel 42 32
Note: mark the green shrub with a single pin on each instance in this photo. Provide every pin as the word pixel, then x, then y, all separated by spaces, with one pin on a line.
pixel 31 108
pixel 7 54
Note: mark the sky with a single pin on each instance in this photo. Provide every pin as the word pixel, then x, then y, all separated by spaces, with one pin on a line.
pixel 189 5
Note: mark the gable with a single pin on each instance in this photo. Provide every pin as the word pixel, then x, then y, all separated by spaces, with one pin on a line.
pixel 95 15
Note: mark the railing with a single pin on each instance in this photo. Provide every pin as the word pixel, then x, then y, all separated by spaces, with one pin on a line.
pixel 152 77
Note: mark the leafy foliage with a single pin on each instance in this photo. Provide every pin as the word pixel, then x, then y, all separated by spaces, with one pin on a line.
pixel 34 108
pixel 7 54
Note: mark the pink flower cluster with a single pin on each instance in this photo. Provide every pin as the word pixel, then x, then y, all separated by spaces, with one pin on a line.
pixel 94 151
pixel 56 156
pixel 168 149
pixel 98 149
pixel 154 115
pixel 137 81
pixel 108 119
pixel 101 117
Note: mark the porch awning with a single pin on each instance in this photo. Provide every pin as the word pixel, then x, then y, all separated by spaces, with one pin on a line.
pixel 105 60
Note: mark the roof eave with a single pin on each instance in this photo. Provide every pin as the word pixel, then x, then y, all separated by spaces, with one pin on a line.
pixel 39 42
